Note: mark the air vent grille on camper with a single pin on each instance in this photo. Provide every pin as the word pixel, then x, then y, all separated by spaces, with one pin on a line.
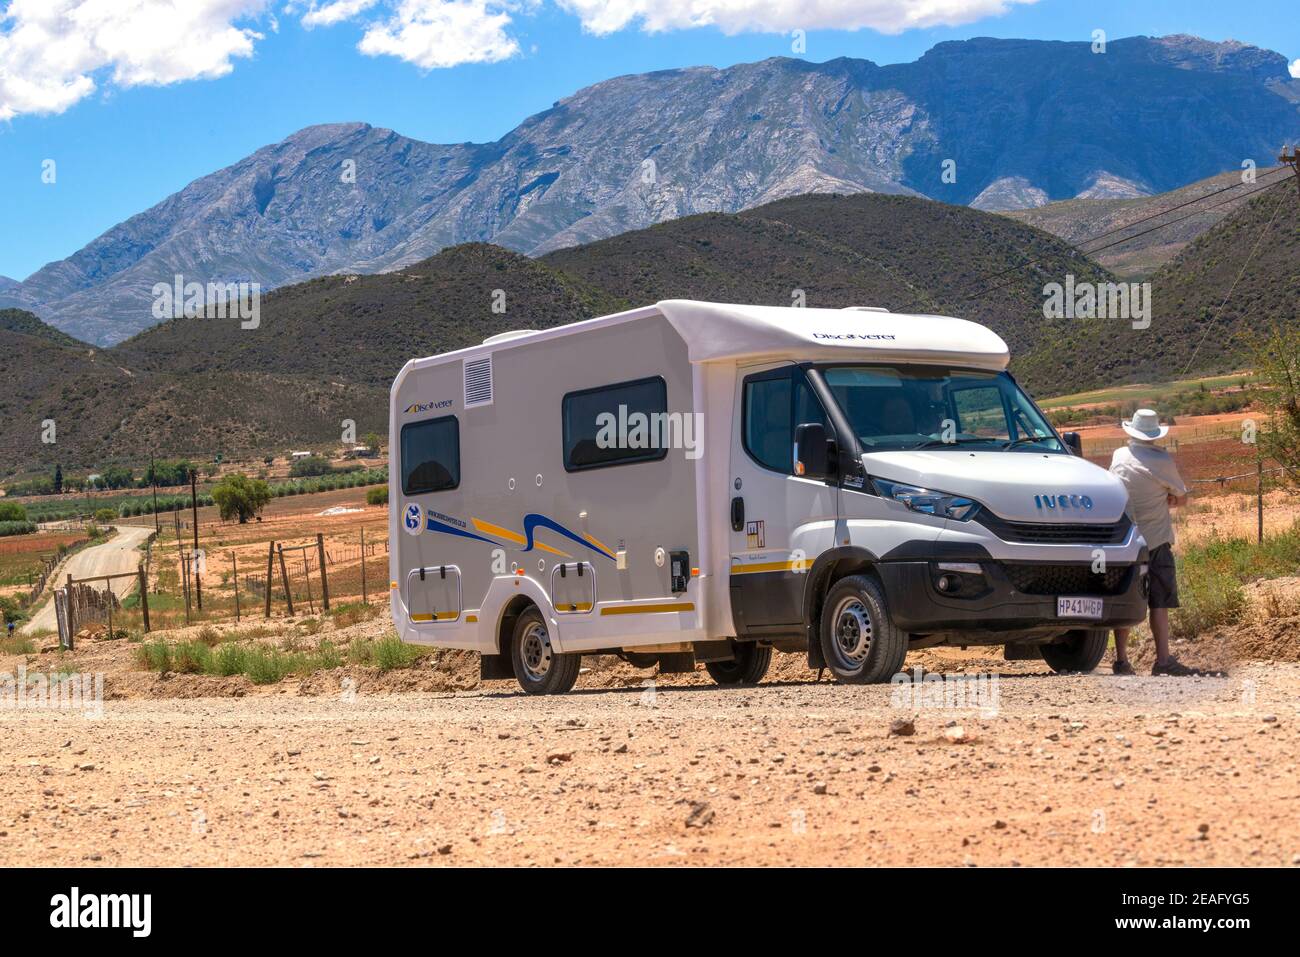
pixel 478 382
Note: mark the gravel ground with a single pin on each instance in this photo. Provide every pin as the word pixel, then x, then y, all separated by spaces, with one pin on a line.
pixel 1066 770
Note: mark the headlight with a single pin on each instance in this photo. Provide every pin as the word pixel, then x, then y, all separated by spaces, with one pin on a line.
pixel 926 500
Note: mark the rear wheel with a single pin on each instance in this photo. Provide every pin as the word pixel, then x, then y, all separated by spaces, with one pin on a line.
pixel 539 668
pixel 1079 651
pixel 860 644
pixel 747 668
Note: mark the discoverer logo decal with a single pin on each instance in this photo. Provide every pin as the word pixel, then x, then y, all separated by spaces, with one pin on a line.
pixel 427 406
pixel 859 336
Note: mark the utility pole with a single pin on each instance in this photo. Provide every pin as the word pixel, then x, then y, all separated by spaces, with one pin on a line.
pixel 194 511
pixel 1291 157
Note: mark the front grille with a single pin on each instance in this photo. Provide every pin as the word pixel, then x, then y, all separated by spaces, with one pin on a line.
pixel 1044 533
pixel 1066 579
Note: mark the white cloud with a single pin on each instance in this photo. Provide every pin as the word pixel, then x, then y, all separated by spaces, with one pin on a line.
pixel 781 16
pixel 51 51
pixel 443 33
pixel 328 14
pixel 1295 69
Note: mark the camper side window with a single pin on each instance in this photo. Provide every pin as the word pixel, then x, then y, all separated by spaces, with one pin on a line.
pixel 615 424
pixel 430 455
pixel 775 402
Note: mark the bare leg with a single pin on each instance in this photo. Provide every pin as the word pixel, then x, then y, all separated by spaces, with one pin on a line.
pixel 1160 628
pixel 1121 644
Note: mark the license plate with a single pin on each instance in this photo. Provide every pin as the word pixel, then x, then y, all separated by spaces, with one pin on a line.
pixel 1078 607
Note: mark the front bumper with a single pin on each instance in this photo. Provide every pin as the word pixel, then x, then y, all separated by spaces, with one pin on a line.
pixel 1011 597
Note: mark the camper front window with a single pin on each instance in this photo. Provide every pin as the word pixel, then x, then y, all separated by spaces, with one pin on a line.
pixel 895 408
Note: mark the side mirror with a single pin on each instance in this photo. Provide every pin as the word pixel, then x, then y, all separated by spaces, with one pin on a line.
pixel 1074 442
pixel 810 451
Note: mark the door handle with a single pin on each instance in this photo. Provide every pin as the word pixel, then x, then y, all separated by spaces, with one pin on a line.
pixel 737 514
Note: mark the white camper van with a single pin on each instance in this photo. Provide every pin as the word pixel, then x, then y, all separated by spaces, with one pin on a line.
pixel 701 482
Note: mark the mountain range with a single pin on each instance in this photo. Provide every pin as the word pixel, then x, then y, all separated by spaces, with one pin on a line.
pixel 326 349
pixel 994 124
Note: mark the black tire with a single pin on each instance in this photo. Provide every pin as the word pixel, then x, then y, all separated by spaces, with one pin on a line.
pixel 860 642
pixel 1080 651
pixel 748 668
pixel 540 669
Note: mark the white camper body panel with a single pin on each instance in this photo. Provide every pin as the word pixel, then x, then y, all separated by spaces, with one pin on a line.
pixel 516 514
pixel 589 547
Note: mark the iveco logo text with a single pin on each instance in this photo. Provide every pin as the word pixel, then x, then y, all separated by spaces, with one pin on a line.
pixel 853 335
pixel 1063 501
pixel 427 406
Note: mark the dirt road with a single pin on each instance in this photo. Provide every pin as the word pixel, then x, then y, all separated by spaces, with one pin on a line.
pixel 1064 770
pixel 119 554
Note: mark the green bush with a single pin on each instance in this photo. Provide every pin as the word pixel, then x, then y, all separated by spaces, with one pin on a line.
pixel 16 528
pixel 377 495
pixel 12 512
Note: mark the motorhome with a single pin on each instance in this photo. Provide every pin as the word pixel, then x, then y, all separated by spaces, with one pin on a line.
pixel 696 482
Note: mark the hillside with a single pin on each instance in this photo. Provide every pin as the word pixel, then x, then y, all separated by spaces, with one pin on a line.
pixel 1188 333
pixel 866 249
pixel 642 149
pixel 1077 220
pixel 19 320
pixel 362 329
pixel 327 349
pixel 903 253
pixel 105 412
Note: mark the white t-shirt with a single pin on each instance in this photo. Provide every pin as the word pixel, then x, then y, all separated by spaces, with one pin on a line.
pixel 1150 475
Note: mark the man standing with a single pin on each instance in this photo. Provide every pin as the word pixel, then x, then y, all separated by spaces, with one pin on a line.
pixel 1154 486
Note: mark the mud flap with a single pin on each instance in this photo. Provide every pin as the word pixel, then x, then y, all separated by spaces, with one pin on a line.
pixel 495 668
pixel 677 663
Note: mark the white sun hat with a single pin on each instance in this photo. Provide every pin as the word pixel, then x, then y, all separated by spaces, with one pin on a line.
pixel 1145 425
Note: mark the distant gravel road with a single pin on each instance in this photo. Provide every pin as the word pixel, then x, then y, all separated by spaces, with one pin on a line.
pixel 119 554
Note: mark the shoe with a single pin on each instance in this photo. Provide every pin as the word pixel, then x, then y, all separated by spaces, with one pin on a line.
pixel 1173 668
pixel 1123 668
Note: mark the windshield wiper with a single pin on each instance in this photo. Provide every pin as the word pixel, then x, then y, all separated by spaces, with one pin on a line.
pixel 1029 439
pixel 941 444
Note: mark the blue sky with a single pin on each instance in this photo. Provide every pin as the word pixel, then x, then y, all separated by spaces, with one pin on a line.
pixel 145 132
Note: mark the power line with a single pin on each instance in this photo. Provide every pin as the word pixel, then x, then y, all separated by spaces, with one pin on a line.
pixel 1138 222
pixel 1090 252
pixel 1233 288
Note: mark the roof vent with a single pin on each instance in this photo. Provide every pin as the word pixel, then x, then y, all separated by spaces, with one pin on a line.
pixel 478 382
pixel 507 336
pixel 865 309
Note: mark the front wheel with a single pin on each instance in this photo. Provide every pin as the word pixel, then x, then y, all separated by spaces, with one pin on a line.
pixel 539 668
pixel 748 667
pixel 860 643
pixel 1079 651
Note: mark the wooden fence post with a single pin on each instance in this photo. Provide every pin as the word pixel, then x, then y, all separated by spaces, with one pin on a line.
pixel 144 596
pixel 270 574
pixel 324 580
pixel 234 565
pixel 284 574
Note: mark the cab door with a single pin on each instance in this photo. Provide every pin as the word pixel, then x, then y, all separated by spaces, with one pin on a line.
pixel 780 522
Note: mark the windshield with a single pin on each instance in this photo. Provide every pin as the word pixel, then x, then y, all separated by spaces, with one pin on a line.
pixel 894 408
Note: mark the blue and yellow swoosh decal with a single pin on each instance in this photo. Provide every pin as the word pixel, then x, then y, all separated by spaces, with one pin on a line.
pixel 532 522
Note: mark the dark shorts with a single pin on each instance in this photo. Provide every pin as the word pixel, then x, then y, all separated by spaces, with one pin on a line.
pixel 1164 579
